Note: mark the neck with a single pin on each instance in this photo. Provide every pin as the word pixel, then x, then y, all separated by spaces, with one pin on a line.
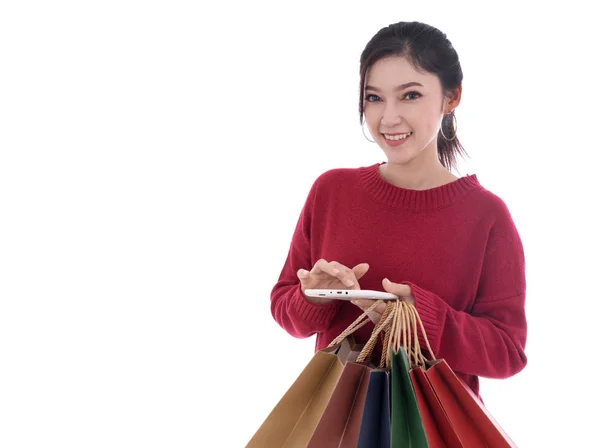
pixel 421 173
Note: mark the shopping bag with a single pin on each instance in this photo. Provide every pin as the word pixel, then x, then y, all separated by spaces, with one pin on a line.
pixel 438 429
pixel 471 421
pixel 294 419
pixel 375 424
pixel 347 350
pixel 407 424
pixel 340 423
pixel 464 422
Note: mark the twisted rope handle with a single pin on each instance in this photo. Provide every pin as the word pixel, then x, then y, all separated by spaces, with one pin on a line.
pixel 400 321
pixel 358 323
pixel 389 309
pixel 395 333
pixel 370 345
pixel 417 319
pixel 403 332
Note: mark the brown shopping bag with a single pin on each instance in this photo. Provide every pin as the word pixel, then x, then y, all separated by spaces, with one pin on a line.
pixel 340 423
pixel 293 420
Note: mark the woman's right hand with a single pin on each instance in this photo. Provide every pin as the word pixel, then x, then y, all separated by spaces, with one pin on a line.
pixel 330 275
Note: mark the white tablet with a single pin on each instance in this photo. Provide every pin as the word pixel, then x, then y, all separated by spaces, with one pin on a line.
pixel 350 294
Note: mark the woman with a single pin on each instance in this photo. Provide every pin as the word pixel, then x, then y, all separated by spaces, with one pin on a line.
pixel 409 226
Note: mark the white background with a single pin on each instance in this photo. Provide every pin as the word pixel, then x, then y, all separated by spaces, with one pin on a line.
pixel 154 159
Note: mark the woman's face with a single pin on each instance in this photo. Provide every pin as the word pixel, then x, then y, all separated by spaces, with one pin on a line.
pixel 404 109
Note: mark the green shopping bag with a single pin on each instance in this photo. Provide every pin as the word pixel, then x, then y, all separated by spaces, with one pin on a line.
pixel 407 425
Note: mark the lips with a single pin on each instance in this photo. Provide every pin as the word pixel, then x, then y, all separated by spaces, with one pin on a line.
pixel 394 140
pixel 397 136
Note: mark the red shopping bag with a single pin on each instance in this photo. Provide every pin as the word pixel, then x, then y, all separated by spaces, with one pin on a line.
pixel 340 423
pixel 440 433
pixel 471 421
pixel 452 415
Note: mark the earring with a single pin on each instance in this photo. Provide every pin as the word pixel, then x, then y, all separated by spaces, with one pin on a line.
pixel 454 126
pixel 363 131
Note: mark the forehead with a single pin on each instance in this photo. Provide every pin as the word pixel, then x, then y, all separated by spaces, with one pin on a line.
pixel 391 71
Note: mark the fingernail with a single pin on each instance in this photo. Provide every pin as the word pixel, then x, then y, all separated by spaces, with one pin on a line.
pixel 336 271
pixel 349 282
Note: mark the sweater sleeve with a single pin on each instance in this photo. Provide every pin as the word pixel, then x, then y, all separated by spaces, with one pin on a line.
pixel 489 339
pixel 289 307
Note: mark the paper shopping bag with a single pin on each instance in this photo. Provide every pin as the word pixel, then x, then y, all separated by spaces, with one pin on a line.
pixel 407 424
pixel 340 423
pixel 293 420
pixel 451 414
pixel 375 424
pixel 438 429
pixel 472 423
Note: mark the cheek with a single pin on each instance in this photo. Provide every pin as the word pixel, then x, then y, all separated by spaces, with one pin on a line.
pixel 372 118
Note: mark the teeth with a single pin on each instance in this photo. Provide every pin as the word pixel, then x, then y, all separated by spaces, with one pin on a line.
pixel 397 137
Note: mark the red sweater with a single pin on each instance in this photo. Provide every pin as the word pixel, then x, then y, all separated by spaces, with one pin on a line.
pixel 455 245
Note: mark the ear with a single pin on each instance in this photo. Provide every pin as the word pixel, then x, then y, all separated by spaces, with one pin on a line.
pixel 452 100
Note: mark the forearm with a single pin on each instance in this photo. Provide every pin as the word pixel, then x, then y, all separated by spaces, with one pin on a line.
pixel 296 315
pixel 489 342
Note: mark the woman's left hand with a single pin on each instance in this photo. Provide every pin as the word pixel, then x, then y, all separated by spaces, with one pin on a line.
pixel 401 290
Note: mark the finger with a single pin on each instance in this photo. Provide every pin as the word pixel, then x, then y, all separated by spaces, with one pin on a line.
pixel 399 289
pixel 345 275
pixel 337 270
pixel 322 266
pixel 365 304
pixel 375 314
pixel 360 270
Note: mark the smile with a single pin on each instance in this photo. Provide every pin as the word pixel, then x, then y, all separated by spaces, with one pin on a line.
pixel 396 137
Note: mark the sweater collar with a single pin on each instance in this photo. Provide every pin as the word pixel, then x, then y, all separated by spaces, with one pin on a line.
pixel 414 200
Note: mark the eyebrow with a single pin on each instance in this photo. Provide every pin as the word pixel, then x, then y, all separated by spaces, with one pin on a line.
pixel 400 87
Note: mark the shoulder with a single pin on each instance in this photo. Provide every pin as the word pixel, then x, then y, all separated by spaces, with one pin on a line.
pixel 337 180
pixel 335 175
pixel 492 210
pixel 488 202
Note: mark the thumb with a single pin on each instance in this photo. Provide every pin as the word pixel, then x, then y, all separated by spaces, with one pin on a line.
pixel 303 276
pixel 396 288
pixel 360 270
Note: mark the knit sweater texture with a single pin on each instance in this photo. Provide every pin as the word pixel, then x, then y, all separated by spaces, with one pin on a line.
pixel 455 245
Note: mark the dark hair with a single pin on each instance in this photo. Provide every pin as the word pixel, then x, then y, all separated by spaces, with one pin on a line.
pixel 428 49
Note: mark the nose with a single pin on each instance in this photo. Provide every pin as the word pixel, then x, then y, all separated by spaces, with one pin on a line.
pixel 391 115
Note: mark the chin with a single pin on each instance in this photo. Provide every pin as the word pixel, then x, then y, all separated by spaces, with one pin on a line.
pixel 399 157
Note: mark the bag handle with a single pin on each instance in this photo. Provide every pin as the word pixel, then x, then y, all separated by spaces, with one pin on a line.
pixel 402 331
pixel 362 320
pixel 358 323
pixel 400 322
pixel 384 322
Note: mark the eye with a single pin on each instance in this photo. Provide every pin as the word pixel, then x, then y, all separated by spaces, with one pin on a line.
pixel 372 98
pixel 412 95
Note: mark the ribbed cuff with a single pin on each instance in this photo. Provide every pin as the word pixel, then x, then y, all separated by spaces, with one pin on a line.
pixel 432 310
pixel 311 314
